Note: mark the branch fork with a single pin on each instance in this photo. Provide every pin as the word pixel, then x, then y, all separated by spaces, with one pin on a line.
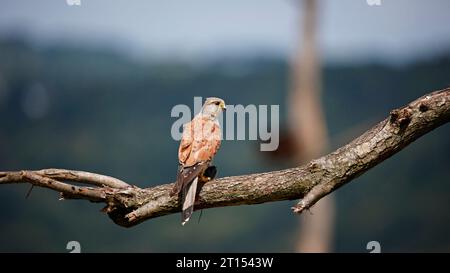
pixel 128 205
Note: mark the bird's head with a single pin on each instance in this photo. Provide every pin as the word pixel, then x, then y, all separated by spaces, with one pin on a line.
pixel 213 107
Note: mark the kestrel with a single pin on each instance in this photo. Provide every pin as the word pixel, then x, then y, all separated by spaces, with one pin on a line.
pixel 199 143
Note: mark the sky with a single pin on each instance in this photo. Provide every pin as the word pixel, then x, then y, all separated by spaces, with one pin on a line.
pixel 199 29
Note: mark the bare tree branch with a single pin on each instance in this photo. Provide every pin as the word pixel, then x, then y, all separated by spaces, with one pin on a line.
pixel 84 177
pixel 67 191
pixel 129 205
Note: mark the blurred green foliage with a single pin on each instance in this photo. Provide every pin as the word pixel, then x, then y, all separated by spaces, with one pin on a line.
pixel 99 111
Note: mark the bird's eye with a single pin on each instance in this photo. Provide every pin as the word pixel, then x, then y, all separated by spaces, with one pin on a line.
pixel 217 103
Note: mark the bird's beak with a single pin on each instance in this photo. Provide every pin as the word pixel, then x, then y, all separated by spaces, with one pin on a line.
pixel 224 107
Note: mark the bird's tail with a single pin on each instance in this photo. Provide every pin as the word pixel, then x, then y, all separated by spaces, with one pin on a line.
pixel 179 183
pixel 189 193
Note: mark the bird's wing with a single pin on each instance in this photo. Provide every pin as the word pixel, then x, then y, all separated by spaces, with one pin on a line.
pixel 187 139
pixel 186 175
pixel 200 141
pixel 207 147
pixel 186 172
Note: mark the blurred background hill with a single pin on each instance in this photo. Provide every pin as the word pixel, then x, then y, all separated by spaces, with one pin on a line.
pixel 98 108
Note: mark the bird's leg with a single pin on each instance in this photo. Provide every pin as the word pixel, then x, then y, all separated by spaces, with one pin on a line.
pixel 209 174
pixel 206 176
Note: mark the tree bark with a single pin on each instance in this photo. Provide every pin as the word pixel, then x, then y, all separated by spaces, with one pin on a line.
pixel 129 205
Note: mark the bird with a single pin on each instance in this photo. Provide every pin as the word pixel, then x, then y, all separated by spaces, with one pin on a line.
pixel 199 143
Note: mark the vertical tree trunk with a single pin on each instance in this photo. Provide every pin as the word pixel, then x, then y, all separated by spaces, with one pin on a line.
pixel 307 124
